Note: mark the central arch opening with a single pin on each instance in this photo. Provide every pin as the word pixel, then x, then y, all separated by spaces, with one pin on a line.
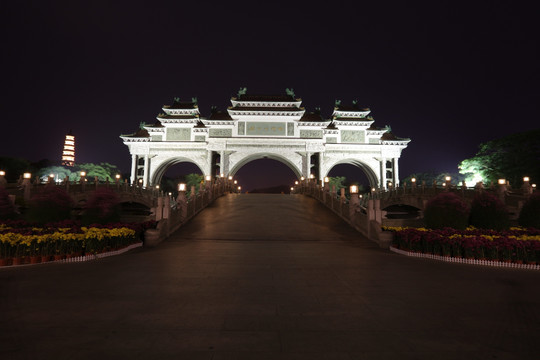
pixel 265 176
pixel 180 172
pixel 352 175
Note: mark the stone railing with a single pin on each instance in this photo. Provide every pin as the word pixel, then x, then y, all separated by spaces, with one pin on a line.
pixel 366 212
pixel 172 213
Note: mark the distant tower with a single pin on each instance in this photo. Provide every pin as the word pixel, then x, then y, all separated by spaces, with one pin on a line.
pixel 68 155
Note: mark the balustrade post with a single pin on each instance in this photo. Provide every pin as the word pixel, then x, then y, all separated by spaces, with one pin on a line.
pixel 159 208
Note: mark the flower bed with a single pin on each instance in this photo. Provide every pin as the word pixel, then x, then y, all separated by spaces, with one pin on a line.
pixel 515 245
pixel 22 242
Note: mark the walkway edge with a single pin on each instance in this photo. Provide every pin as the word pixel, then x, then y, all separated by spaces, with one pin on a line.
pixel 466 261
pixel 83 258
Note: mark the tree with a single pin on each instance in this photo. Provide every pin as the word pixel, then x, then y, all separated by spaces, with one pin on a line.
pixel 14 167
pixel 338 181
pixel 511 158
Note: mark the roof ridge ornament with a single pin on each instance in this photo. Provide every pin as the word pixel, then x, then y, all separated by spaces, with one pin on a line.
pixel 290 92
pixel 337 103
pixel 242 91
pixel 176 100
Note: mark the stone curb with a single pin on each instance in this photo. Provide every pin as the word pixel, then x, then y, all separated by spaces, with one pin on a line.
pixel 466 261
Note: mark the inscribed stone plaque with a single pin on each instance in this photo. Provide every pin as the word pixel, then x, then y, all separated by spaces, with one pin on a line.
pixel 331 140
pixel 266 128
pixel 352 136
pixel 220 132
pixel 373 141
pixel 175 134
pixel 290 129
pixel 311 134
pixel 241 128
pixel 200 138
pixel 157 137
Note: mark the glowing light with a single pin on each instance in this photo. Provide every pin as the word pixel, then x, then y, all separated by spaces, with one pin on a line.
pixel 51 175
pixel 230 177
pixel 526 179
pixel 444 184
pixel 208 178
pixel 239 188
pixel 533 185
pixel 502 181
pixel 372 189
pixel 83 173
pixel 181 187
pixel 235 182
pixel 448 178
pixel 354 189
pixel 326 179
pixel 222 175
pixel 302 178
pixel 389 183
pixel 311 176
pixel 413 180
pixel 117 176
pixel 2 173
pixel 27 175
pixel 296 182
pixel 157 186
pixel 292 189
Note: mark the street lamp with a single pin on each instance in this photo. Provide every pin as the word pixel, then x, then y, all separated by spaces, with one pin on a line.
pixel 2 173
pixel 296 182
pixel 181 187
pixel 353 189
pixel 302 178
pixel 230 177
pixel 502 181
pixel 208 178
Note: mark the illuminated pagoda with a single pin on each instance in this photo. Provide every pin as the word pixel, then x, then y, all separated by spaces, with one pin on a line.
pixel 68 155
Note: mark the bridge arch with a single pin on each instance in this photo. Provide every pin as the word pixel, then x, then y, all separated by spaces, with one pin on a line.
pixel 247 158
pixel 367 169
pixel 163 166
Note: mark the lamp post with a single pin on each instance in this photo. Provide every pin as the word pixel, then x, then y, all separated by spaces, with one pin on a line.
pixel 354 203
pixel 448 183
pixel 239 189
pixel 3 181
pixel 82 179
pixel 26 184
pixel 50 179
pixel 527 188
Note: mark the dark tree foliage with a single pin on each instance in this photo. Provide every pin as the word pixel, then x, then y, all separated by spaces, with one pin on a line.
pixel 102 207
pixel 446 210
pixel 530 213
pixel 14 167
pixel 511 158
pixel 7 209
pixel 51 203
pixel 488 212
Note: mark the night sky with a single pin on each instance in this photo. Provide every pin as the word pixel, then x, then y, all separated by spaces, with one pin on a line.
pixel 449 77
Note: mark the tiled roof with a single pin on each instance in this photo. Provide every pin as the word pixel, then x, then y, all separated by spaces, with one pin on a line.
pixel 156 125
pixel 165 116
pixel 182 105
pixel 351 108
pixel 312 117
pixel 263 108
pixel 139 134
pixel 389 136
pixel 219 115
pixel 276 98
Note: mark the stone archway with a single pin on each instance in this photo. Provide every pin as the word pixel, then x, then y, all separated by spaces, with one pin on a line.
pixel 275 126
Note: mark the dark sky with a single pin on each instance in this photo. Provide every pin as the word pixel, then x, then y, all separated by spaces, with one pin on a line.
pixel 446 76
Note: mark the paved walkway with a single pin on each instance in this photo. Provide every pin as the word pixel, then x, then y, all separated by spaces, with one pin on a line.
pixel 268 277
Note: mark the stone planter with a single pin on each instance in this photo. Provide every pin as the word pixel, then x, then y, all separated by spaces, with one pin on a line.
pixel 152 238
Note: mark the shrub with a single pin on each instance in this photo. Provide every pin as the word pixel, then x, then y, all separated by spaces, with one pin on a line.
pixel 102 207
pixel 7 208
pixel 488 212
pixel 530 213
pixel 51 203
pixel 446 210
